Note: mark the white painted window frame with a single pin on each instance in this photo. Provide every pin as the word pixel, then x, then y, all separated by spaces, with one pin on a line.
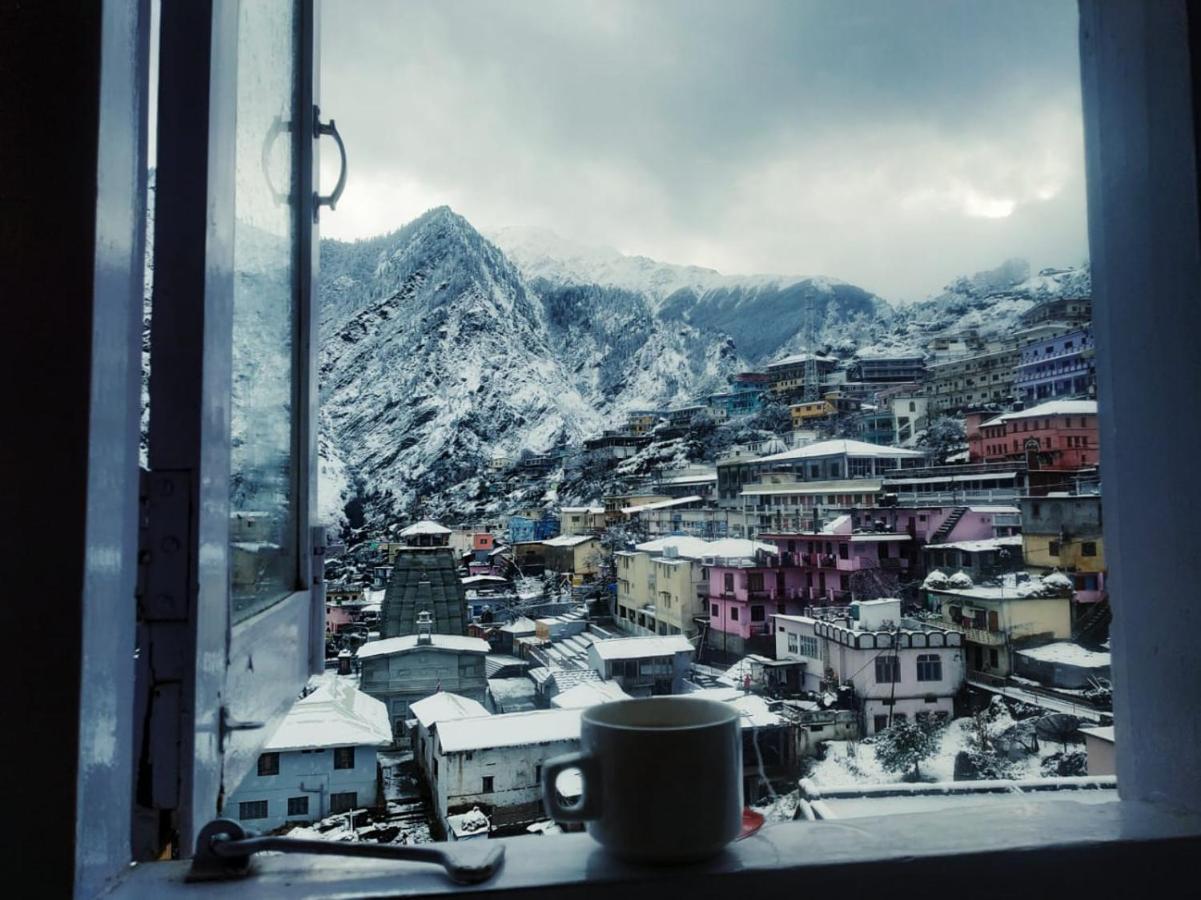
pixel 1146 244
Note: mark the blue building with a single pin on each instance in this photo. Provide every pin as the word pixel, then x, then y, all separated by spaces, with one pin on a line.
pixel 1056 368
pixel 320 761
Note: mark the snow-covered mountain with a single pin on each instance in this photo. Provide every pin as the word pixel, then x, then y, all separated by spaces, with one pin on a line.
pixel 442 349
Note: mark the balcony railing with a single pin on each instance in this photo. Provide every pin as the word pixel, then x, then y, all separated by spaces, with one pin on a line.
pixel 978 635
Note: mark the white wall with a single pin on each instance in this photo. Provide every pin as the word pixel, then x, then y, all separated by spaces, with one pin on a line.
pixel 514 772
pixel 314 771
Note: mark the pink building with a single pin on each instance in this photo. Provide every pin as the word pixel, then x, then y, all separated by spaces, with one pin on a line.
pixel 743 596
pixel 1061 434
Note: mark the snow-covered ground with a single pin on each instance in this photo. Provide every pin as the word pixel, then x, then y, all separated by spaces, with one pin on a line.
pixel 854 763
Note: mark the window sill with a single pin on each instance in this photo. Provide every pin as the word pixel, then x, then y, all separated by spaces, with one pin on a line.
pixel 1004 848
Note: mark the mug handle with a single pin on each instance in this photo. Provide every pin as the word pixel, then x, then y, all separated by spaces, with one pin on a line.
pixel 589 805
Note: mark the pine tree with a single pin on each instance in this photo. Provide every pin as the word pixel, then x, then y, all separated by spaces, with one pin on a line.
pixel 904 746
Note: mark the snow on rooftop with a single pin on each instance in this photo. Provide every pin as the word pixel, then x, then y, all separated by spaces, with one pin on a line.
pixel 541 726
pixel 425 526
pixel 438 641
pixel 638 647
pixel 752 709
pixel 595 510
pixel 589 694
pixel 337 714
pixel 979 546
pixel 482 579
pixel 662 504
pixel 521 625
pixel 569 540
pixel 840 447
pixel 1051 408
pixel 1104 732
pixel 1067 653
pixel 444 706
pixel 696 548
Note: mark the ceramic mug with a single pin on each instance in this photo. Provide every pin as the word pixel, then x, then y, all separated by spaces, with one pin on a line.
pixel 661 778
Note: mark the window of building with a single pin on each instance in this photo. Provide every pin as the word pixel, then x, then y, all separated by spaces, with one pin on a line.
pixel 728 582
pixel 1053 548
pixel 343 802
pixel 844 551
pixel 268 764
pixel 929 667
pixel 344 757
pixel 252 809
pixel 792 643
pixel 993 658
pixel 488 783
pixel 733 613
pixel 757 614
pixel 888 670
pixel 1088 548
pixel 298 806
pixel 754 581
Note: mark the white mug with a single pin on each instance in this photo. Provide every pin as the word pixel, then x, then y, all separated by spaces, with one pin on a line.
pixel 661 778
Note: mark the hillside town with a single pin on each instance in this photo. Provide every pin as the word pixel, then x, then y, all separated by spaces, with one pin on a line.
pixel 911 545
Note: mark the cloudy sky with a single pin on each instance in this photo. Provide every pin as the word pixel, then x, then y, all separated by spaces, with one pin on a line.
pixel 892 144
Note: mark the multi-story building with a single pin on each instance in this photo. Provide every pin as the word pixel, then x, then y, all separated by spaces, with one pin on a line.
pixel 835 459
pixel 643 421
pixel 1056 435
pixel 981 560
pixel 643 666
pixel 910 415
pixel 402 670
pixel 576 555
pixel 743 593
pixel 887 368
pixel 1063 531
pixel 898 668
pixel 953 485
pixel 576 520
pixel 745 395
pixel 320 760
pixel 996 620
pixel 787 375
pixel 1068 310
pixel 1057 367
pixel 495 763
pixel 663 585
pixel 974 381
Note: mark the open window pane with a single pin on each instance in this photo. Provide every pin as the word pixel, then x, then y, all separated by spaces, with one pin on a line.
pixel 263 551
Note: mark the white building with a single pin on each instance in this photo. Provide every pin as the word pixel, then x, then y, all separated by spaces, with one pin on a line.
pixel 898 667
pixel 440 707
pixel 643 666
pixel 320 760
pixel 589 693
pixel 495 763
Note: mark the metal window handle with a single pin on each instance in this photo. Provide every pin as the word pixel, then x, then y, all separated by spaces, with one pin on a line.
pixel 320 128
pixel 224 848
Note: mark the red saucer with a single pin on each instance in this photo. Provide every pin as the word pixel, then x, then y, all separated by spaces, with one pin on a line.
pixel 751 822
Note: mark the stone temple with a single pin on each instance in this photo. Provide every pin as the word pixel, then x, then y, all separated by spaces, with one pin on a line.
pixel 425 578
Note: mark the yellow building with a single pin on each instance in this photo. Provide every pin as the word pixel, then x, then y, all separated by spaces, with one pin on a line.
pixel 575 520
pixel 806 412
pixel 658 594
pixel 578 555
pixel 997 620
pixel 1073 554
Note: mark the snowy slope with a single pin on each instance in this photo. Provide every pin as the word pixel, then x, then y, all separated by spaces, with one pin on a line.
pixel 442 350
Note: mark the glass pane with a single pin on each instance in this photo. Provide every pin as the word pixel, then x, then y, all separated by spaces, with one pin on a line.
pixel 263 500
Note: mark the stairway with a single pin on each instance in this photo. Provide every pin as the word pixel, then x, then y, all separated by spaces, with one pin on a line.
pixel 948 526
pixel 1093 625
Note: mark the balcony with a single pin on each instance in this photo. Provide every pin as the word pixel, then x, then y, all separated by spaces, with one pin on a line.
pixel 978 635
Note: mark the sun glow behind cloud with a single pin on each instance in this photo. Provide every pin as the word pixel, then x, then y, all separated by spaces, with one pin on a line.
pixel 894 145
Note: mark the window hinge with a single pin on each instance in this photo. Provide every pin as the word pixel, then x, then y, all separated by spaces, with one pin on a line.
pixel 224 849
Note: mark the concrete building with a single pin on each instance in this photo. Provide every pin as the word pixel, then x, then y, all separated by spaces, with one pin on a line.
pixel 402 670
pixel 1099 745
pixel 910 416
pixel 495 763
pixel 842 458
pixel 663 585
pixel 786 376
pixel 1064 531
pixel 577 520
pixel 982 559
pixel 442 706
pixel 643 666
pixel 887 368
pixel 321 760
pixel 1061 310
pixel 577 555
pixel 1057 435
pixel 997 620
pixel 1057 367
pixel 898 667
pixel 1062 664
pixel 978 380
